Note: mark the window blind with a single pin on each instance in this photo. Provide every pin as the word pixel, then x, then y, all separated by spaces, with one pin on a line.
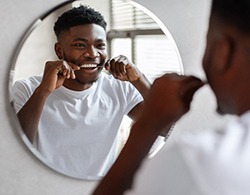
pixel 135 34
pixel 126 16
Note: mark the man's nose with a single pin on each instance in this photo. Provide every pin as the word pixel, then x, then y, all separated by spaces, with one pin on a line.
pixel 91 52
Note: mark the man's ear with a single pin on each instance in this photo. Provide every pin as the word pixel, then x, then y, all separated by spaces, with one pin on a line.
pixel 223 53
pixel 58 50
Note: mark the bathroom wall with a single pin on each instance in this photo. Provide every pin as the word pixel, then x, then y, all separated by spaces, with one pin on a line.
pixel 20 171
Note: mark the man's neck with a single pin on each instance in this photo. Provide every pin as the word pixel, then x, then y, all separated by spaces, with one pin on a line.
pixel 76 85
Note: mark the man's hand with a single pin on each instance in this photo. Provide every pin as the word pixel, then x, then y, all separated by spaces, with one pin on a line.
pixel 123 69
pixel 169 98
pixel 55 73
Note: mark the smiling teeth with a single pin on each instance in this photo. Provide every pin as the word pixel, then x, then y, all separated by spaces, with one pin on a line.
pixel 88 66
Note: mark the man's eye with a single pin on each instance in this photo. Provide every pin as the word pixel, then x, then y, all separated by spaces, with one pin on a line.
pixel 102 45
pixel 79 45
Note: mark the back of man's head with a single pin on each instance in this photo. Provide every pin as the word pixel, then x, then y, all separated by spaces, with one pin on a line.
pixel 233 12
pixel 78 16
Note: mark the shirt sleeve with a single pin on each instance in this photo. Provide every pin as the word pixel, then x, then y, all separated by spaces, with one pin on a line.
pixel 133 97
pixel 20 94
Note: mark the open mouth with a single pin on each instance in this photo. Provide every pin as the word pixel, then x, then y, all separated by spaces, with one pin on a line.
pixel 90 66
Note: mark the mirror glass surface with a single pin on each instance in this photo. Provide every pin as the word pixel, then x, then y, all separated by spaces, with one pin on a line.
pixel 132 31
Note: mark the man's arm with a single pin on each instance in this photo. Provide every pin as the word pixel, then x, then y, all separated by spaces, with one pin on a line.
pixel 29 115
pixel 143 85
pixel 169 98
pixel 123 69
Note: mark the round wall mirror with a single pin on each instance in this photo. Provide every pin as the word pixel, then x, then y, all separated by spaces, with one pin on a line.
pixel 133 31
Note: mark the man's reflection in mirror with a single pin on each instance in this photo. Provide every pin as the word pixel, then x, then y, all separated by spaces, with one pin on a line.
pixel 72 112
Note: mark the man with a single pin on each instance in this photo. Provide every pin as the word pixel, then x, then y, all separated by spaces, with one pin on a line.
pixel 72 113
pixel 213 162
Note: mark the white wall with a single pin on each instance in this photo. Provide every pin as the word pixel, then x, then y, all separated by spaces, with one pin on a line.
pixel 21 172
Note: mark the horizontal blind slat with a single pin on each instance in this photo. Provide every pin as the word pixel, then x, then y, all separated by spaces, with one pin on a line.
pixel 126 16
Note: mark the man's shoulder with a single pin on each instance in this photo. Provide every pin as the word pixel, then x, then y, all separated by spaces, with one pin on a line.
pixel 107 77
pixel 32 79
pixel 30 82
pixel 110 78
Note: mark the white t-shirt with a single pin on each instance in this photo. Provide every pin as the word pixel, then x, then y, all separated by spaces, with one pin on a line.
pixel 210 163
pixel 77 133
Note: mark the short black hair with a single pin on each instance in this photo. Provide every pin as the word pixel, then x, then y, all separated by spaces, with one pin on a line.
pixel 78 16
pixel 233 12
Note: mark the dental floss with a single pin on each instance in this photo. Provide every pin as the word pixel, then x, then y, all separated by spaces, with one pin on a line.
pixel 66 65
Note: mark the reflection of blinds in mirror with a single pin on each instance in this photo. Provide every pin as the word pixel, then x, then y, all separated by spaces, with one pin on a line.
pixel 126 16
pixel 155 56
pixel 138 36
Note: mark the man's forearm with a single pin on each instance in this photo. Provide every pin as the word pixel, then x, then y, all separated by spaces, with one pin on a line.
pixel 142 85
pixel 29 115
